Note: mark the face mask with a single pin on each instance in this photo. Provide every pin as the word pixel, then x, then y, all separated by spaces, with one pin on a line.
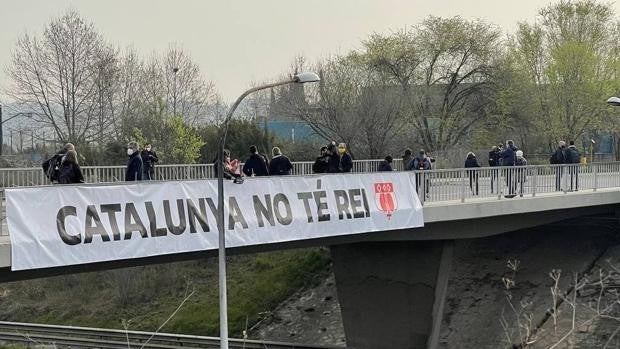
pixel 129 151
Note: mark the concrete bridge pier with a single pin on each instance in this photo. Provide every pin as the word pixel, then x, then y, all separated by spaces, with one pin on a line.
pixel 392 293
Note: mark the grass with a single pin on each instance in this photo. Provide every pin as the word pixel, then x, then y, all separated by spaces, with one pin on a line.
pixel 146 296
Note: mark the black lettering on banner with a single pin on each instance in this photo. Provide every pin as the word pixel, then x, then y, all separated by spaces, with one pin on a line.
pixel 277 200
pixel 263 210
pixel 320 198
pixel 111 210
pixel 365 199
pixel 342 204
pixel 89 229
pixel 194 215
pixel 175 229
pixel 150 212
pixel 61 227
pixel 306 197
pixel 213 208
pixel 355 204
pixel 235 216
pixel 136 225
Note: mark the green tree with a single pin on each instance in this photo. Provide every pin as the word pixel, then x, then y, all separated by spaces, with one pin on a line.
pixel 564 66
pixel 445 67
pixel 174 140
pixel 242 133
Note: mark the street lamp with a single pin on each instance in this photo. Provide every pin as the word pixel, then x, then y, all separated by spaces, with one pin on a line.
pixel 175 70
pixel 3 121
pixel 615 101
pixel 300 79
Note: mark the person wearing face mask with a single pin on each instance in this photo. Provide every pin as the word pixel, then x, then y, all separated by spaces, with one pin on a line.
pixel 346 162
pixel 134 165
pixel 149 158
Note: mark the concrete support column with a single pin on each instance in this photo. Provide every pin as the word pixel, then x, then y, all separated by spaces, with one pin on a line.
pixel 392 293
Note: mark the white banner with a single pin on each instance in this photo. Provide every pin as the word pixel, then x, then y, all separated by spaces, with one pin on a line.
pixel 65 225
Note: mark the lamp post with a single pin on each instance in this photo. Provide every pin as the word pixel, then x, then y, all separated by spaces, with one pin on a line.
pixel 2 130
pixel 300 79
pixel 175 70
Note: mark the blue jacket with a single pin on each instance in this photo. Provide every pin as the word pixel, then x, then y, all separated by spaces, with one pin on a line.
pixel 134 168
pixel 508 156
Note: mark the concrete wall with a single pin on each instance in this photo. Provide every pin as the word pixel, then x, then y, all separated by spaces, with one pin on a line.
pixel 388 291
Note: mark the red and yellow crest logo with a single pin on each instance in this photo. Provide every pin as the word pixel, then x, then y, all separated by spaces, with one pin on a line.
pixel 385 198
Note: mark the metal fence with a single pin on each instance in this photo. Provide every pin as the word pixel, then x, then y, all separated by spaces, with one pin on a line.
pixel 434 186
pixel 438 186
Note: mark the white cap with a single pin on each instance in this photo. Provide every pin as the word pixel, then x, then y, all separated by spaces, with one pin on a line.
pixel 520 153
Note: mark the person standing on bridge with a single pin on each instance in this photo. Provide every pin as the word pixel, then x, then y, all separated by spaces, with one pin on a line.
pixel 70 171
pixel 494 162
pixel 386 164
pixel 346 161
pixel 558 158
pixel 255 164
pixel 134 165
pixel 521 171
pixel 321 162
pixel 279 165
pixel 407 157
pixel 508 159
pixel 149 158
pixel 420 164
pixel 573 158
pixel 333 160
pixel 471 162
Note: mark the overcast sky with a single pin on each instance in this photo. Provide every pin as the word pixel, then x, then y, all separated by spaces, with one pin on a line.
pixel 236 42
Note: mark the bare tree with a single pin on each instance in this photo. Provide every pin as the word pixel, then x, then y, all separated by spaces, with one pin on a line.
pixel 56 77
pixel 187 92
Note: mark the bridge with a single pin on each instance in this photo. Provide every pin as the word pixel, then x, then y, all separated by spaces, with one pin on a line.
pixel 392 285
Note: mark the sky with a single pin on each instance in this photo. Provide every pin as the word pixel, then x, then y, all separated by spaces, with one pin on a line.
pixel 238 42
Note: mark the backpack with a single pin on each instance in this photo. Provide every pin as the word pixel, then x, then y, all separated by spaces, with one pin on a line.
pixel 421 164
pixel 51 167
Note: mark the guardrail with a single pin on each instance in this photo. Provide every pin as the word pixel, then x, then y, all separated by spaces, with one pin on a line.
pixel 33 176
pixel 86 337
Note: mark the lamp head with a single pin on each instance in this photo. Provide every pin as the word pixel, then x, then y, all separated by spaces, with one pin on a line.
pixel 302 78
pixel 615 101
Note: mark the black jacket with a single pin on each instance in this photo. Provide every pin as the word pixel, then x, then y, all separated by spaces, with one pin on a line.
pixel 134 168
pixel 70 172
pixel 320 164
pixel 508 156
pixel 558 156
pixel 280 165
pixel 255 165
pixel 385 166
pixel 573 156
pixel 346 162
pixel 494 158
pixel 471 161
pixel 149 158
pixel 333 163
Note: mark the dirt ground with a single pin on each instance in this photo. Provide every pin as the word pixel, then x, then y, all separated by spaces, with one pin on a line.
pixel 479 308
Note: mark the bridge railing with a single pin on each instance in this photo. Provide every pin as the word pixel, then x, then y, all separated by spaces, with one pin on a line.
pixel 508 182
pixel 434 186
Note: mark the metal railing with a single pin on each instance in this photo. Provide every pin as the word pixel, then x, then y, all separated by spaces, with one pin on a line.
pixel 465 184
pixel 86 337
